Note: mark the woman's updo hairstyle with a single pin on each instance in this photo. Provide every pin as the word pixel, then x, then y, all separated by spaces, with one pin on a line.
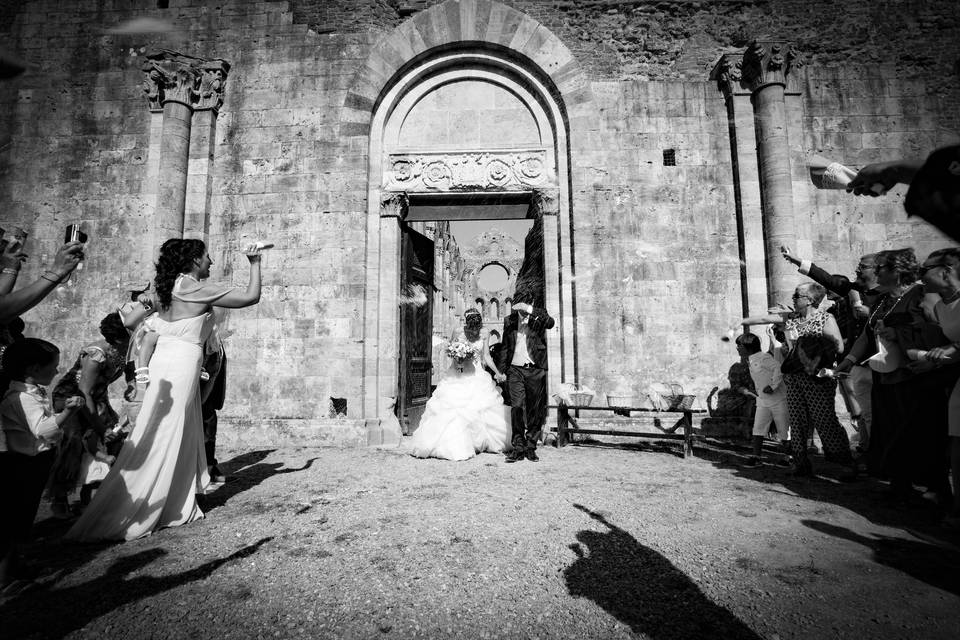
pixel 472 319
pixel 176 256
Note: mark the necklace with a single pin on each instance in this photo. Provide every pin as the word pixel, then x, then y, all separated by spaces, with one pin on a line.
pixel 888 309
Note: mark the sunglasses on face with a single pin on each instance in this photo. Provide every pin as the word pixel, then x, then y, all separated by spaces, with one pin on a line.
pixel 797 296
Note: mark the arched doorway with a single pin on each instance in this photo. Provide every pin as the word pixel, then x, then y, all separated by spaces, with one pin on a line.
pixel 517 160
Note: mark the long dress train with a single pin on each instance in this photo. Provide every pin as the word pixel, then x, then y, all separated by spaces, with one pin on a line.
pixel 464 416
pixel 162 465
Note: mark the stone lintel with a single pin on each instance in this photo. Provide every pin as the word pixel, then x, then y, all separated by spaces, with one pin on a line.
pixel 394 204
pixel 175 77
pixel 767 62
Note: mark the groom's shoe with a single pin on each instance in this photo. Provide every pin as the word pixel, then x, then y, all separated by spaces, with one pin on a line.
pixel 514 456
pixel 532 456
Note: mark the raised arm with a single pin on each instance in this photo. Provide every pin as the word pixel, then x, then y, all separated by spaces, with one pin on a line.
pixel 249 296
pixel 22 300
pixel 887 174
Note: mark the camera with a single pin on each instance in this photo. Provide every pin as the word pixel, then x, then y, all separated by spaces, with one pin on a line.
pixel 73 233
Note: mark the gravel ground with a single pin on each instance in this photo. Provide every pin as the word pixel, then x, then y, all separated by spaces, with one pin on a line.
pixel 594 541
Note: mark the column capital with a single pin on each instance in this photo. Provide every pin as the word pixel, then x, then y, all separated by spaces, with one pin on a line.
pixel 175 77
pixel 727 73
pixel 546 202
pixel 394 204
pixel 767 62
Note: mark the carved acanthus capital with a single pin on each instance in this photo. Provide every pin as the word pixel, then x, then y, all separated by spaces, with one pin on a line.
pixel 728 73
pixel 394 204
pixel 175 77
pixel 769 62
pixel 213 81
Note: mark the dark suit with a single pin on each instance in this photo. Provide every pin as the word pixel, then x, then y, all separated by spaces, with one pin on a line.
pixel 526 385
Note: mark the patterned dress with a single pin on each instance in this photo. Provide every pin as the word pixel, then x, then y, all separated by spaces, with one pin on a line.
pixel 810 402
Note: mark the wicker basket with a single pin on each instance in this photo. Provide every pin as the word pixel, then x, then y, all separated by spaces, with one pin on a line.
pixel 614 400
pixel 581 399
pixel 680 402
pixel 677 400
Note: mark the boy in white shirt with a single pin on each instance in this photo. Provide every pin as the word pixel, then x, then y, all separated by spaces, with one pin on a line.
pixel 29 435
pixel 771 394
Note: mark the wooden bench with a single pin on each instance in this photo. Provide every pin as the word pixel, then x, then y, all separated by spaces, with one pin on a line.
pixel 567 423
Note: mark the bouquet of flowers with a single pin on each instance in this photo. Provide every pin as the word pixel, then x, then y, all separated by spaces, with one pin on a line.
pixel 460 351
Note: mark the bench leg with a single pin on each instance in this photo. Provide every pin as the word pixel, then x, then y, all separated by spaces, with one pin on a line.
pixel 687 434
pixel 563 418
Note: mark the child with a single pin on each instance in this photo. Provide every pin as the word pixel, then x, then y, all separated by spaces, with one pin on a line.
pixel 30 432
pixel 771 394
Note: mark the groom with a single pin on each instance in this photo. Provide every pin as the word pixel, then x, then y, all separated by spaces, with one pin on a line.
pixel 524 359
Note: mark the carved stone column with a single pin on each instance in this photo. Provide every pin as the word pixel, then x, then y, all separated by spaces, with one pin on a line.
pixel 746 184
pixel 766 65
pixel 213 77
pixel 173 85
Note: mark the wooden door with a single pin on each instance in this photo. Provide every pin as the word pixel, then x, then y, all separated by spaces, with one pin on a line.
pixel 416 327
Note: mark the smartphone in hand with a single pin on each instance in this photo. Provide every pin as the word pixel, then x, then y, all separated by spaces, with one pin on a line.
pixel 73 233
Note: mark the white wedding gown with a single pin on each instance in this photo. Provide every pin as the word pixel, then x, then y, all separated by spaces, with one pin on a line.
pixel 464 416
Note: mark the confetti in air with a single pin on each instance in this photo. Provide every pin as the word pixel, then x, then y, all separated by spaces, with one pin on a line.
pixel 415 296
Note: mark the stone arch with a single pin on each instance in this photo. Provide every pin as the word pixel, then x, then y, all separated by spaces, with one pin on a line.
pixel 469 38
pixel 461 23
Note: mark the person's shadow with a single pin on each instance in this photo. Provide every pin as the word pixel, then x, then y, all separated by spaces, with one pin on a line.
pixel 937 565
pixel 252 473
pixel 23 616
pixel 643 589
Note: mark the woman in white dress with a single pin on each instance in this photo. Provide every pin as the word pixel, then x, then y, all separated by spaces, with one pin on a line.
pixel 162 465
pixel 465 415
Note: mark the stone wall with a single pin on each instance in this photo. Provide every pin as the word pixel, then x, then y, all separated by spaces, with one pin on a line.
pixel 658 40
pixel 80 151
pixel 656 246
pixel 657 271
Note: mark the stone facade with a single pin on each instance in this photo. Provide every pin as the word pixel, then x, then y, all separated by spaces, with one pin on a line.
pixel 647 262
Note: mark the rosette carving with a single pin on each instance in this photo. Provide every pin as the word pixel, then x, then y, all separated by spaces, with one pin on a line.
pixel 468 171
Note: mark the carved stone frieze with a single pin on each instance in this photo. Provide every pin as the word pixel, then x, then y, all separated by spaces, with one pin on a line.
pixel 769 62
pixel 468 171
pixel 175 77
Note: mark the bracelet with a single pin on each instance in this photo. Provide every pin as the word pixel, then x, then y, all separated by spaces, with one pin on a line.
pixel 10 271
pixel 46 276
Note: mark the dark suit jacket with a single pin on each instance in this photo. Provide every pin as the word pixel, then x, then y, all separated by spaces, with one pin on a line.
pixel 539 322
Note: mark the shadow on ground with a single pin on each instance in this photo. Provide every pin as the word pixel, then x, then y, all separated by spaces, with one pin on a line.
pixel 24 615
pixel 934 564
pixel 867 497
pixel 245 472
pixel 643 589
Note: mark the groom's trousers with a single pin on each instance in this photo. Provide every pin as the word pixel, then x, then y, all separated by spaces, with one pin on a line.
pixel 528 405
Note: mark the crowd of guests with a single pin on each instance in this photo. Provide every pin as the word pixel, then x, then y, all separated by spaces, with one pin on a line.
pixel 887 340
pixel 135 470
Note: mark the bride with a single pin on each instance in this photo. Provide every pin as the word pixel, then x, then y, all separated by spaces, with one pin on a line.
pixel 465 415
